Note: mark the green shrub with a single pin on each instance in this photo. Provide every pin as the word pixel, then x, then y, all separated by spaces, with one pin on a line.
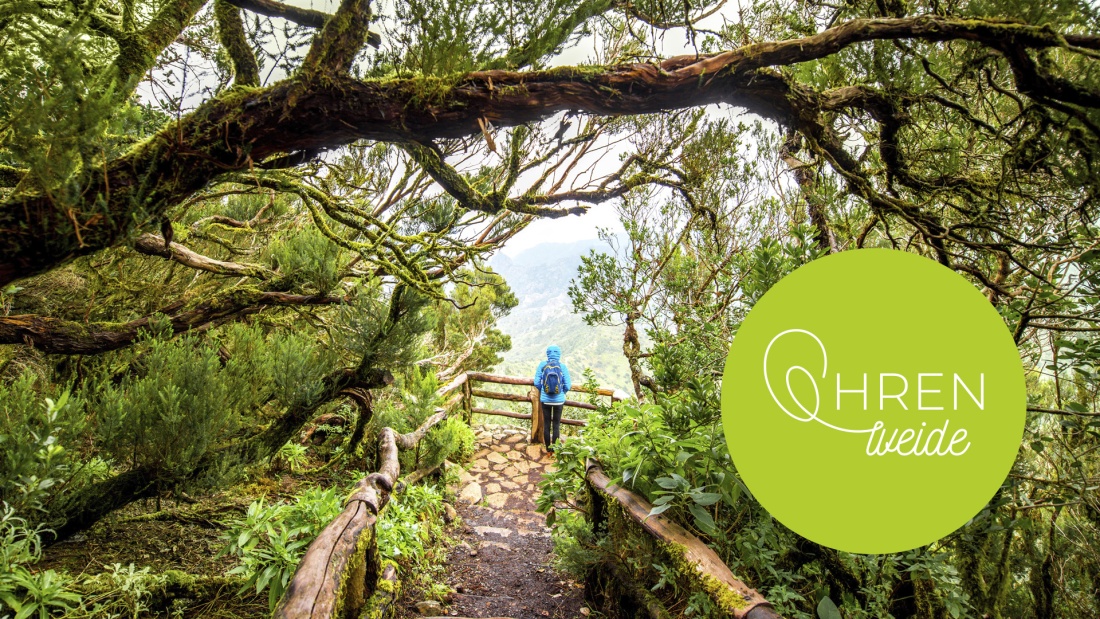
pixel 310 257
pixel 408 533
pixel 451 439
pixel 25 593
pixel 120 592
pixel 292 455
pixel 271 539
pixel 32 460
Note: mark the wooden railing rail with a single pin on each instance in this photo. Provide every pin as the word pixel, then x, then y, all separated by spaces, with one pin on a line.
pixel 340 571
pixel 696 560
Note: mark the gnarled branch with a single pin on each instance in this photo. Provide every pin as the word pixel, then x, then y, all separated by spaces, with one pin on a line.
pixel 58 336
pixel 153 245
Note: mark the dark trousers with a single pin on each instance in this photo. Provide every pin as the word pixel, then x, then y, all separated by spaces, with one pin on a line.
pixel 551 416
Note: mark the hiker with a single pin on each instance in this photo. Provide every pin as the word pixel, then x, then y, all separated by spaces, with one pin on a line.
pixel 552 380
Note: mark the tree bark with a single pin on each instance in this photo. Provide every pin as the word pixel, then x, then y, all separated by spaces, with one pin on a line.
pixel 632 348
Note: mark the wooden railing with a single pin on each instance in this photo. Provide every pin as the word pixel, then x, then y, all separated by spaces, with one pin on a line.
pixel 531 397
pixel 695 560
pixel 341 575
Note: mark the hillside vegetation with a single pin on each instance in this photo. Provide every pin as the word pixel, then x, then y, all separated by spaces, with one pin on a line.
pixel 540 278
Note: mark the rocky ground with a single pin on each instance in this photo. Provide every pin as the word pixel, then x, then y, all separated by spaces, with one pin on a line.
pixel 501 564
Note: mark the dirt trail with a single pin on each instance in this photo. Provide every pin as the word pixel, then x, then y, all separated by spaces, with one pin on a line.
pixel 501 567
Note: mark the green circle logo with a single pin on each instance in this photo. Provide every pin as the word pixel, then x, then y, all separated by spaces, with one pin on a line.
pixel 873 401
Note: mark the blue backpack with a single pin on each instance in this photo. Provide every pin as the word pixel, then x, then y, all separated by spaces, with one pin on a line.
pixel 552 379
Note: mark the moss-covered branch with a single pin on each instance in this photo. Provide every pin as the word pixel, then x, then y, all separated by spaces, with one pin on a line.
pixel 138 51
pixel 232 37
pixel 153 245
pixel 58 336
pixel 299 15
pixel 335 46
pixel 242 127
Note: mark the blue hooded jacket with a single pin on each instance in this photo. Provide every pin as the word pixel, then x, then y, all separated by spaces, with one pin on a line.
pixel 552 352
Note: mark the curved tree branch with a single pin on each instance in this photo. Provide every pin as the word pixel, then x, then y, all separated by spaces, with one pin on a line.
pixel 298 15
pixel 235 130
pixel 232 36
pixel 58 336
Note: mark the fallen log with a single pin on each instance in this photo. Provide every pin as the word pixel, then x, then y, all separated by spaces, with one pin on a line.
pixel 699 561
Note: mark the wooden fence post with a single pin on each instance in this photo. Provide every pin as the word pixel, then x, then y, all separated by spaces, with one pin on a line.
pixel 536 416
pixel 467 403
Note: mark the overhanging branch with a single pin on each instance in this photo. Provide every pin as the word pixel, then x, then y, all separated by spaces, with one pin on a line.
pixel 153 245
pixel 57 336
pixel 239 128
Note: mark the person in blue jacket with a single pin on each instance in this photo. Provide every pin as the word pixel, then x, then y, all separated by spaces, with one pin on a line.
pixel 552 380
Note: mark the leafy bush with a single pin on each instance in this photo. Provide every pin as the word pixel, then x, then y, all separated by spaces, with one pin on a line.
pixel 407 530
pixel 170 414
pixel 451 439
pixel 33 466
pixel 32 461
pixel 25 593
pixel 120 592
pixel 271 539
pixel 292 455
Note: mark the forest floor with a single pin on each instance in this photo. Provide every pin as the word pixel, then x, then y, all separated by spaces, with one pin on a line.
pixel 498 560
pixel 186 536
pixel 500 565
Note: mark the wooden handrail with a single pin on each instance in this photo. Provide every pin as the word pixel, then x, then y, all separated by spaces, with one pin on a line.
pixel 515 415
pixel 705 567
pixel 530 382
pixel 497 395
pixel 332 578
pixel 516 397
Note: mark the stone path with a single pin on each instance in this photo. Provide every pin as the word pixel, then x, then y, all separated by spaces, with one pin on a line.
pixel 501 566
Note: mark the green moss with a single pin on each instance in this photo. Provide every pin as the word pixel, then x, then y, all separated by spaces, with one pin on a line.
pixel 386 592
pixel 575 72
pixel 351 595
pixel 428 90
pixel 726 599
pixel 514 90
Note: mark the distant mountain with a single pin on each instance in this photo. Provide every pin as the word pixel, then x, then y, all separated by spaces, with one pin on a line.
pixel 540 279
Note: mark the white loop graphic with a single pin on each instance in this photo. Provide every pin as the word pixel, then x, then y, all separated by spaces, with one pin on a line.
pixel 810 415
